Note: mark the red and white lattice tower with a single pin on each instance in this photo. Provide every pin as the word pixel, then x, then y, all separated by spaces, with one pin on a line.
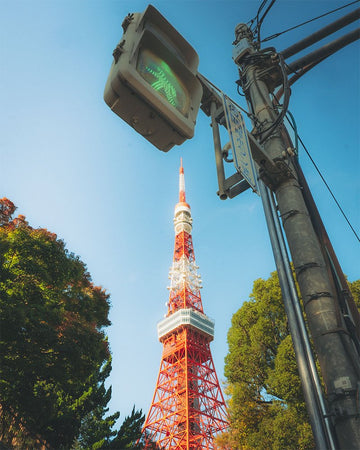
pixel 188 407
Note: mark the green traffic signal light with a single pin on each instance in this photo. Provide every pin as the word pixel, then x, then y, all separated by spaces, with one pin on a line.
pixel 153 83
pixel 160 76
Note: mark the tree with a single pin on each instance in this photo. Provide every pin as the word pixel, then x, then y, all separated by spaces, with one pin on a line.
pixel 129 433
pixel 355 291
pixel 266 404
pixel 53 351
pixel 96 431
pixel 96 428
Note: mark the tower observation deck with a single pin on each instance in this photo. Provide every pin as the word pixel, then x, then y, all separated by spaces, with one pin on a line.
pixel 188 408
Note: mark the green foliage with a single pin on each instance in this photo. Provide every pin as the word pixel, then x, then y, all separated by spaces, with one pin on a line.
pixel 129 433
pixel 266 403
pixel 96 429
pixel 52 344
pixel 355 291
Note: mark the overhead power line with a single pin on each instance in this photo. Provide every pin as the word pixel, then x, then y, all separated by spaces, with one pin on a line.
pixel 273 36
pixel 259 20
pixel 323 180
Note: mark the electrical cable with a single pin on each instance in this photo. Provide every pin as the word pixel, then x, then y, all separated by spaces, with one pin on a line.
pixel 298 138
pixel 348 308
pixel 219 92
pixel 258 13
pixel 286 88
pixel 298 74
pixel 238 89
pixel 262 19
pixel 324 181
pixel 294 127
pixel 273 36
pixel 257 20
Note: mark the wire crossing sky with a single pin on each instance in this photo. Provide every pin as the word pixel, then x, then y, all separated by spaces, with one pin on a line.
pixel 72 166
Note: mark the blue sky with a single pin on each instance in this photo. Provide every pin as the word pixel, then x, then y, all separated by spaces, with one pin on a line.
pixel 72 166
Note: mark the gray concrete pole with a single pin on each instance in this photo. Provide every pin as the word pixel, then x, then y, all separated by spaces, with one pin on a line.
pixel 338 360
pixel 323 439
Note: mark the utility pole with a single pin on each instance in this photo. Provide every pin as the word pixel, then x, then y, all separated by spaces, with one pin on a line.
pixel 261 71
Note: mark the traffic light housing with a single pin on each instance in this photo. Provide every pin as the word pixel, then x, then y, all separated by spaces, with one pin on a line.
pixel 152 83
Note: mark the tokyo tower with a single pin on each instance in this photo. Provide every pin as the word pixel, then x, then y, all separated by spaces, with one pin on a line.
pixel 188 407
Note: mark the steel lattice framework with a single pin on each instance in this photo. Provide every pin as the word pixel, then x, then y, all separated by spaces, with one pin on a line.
pixel 188 408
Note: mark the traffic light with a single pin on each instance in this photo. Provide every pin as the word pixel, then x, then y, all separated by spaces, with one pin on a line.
pixel 152 83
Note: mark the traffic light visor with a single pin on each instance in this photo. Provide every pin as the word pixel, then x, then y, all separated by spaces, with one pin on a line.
pixel 163 79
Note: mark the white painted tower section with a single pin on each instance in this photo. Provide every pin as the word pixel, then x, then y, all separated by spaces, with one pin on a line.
pixel 184 274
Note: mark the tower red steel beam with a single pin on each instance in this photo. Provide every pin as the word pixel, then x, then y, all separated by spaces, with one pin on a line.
pixel 188 407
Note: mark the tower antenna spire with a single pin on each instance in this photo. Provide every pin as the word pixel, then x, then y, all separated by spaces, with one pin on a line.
pixel 182 198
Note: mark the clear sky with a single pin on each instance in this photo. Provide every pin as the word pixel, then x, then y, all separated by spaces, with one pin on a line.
pixel 72 166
